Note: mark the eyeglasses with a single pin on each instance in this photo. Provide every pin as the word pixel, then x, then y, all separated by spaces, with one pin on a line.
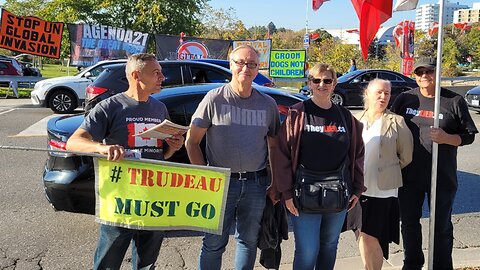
pixel 424 71
pixel 249 65
pixel 325 81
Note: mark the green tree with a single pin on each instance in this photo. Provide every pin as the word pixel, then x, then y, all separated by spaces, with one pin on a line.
pixel 323 35
pixel 473 45
pixel 25 7
pixel 449 57
pixel 214 22
pixel 258 32
pixel 287 39
pixel 333 52
pixel 272 28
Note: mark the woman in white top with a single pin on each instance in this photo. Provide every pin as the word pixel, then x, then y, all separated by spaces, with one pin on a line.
pixel 388 148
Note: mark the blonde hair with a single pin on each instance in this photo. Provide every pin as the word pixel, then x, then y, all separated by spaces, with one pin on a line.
pixel 319 68
pixel 136 62
pixel 370 84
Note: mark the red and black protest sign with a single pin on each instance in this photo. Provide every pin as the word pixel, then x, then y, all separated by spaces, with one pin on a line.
pixel 190 48
pixel 30 35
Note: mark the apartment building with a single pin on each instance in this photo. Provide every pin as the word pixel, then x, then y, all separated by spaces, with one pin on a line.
pixel 429 13
pixel 470 15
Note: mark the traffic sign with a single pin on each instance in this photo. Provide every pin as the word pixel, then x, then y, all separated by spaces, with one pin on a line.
pixel 306 41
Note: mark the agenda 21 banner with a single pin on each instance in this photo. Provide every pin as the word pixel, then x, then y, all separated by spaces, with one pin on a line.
pixel 159 195
pixel 30 35
pixel 93 43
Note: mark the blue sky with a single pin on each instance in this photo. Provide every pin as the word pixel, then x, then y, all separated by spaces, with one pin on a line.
pixel 291 14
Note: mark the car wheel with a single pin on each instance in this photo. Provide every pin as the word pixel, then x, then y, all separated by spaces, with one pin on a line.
pixel 337 99
pixel 62 101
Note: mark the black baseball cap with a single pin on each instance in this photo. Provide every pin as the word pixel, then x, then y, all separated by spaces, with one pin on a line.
pixel 429 63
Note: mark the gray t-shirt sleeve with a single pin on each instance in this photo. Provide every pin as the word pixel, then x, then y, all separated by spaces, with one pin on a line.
pixel 96 123
pixel 203 115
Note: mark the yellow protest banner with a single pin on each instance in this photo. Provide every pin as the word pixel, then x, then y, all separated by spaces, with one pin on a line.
pixel 287 63
pixel 159 195
pixel 262 46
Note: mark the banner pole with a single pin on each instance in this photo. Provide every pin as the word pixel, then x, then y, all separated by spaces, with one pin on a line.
pixel 97 155
pixel 433 188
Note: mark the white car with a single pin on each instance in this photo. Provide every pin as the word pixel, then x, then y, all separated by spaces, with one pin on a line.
pixel 65 94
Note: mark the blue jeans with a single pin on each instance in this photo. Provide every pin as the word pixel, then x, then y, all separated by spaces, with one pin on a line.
pixel 113 242
pixel 316 240
pixel 245 204
pixel 411 201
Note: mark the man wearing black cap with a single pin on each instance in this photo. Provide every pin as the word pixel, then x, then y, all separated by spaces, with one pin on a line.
pixel 456 128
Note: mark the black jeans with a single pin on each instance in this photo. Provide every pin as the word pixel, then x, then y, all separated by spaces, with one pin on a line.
pixel 411 200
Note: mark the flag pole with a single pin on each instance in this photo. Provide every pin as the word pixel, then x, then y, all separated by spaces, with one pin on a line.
pixel 433 188
pixel 306 17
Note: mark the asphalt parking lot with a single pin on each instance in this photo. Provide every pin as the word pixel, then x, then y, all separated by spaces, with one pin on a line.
pixel 34 236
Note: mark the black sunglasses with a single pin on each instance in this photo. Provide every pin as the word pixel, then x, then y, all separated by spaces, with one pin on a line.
pixel 425 71
pixel 325 81
pixel 249 65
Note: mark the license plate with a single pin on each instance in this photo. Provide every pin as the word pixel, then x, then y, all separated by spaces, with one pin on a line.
pixel 475 102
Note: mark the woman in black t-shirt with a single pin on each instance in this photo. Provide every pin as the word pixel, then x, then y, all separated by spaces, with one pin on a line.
pixel 320 136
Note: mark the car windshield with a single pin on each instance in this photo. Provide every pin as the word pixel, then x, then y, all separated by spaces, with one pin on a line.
pixel 348 76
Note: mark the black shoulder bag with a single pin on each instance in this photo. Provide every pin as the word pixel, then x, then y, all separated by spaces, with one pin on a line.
pixel 322 192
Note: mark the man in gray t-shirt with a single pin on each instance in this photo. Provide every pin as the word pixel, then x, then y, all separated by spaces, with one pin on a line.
pixel 108 129
pixel 240 124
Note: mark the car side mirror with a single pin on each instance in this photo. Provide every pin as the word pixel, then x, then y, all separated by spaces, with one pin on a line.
pixel 87 75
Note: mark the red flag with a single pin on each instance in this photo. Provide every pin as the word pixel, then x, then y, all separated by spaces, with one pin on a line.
pixel 463 26
pixel 353 31
pixel 371 13
pixel 316 4
pixel 433 29
pixel 314 36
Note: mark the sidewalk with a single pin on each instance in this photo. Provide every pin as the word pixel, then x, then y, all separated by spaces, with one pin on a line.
pixel 466 247
pixel 462 258
pixel 14 102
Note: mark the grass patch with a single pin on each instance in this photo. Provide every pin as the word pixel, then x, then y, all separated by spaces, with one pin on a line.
pixel 22 92
pixel 52 71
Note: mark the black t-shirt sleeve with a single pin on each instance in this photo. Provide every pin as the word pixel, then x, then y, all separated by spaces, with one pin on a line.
pixel 466 124
pixel 397 104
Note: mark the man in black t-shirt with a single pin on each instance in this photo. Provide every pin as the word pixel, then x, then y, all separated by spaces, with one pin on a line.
pixel 456 128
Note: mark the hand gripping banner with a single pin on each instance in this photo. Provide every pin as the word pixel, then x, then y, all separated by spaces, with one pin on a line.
pixel 159 195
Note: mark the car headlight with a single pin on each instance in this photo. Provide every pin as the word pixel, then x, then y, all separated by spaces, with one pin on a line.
pixel 42 85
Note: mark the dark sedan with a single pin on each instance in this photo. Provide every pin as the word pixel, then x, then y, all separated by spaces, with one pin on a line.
pixel 473 99
pixel 349 89
pixel 69 180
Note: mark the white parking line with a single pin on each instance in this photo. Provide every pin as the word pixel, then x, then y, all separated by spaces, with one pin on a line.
pixel 11 110
pixel 37 129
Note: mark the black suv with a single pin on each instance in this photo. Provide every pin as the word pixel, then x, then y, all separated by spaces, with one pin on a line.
pixel 69 180
pixel 113 79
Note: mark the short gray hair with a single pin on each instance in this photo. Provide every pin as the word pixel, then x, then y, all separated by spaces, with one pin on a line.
pixel 232 53
pixel 370 84
pixel 136 62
